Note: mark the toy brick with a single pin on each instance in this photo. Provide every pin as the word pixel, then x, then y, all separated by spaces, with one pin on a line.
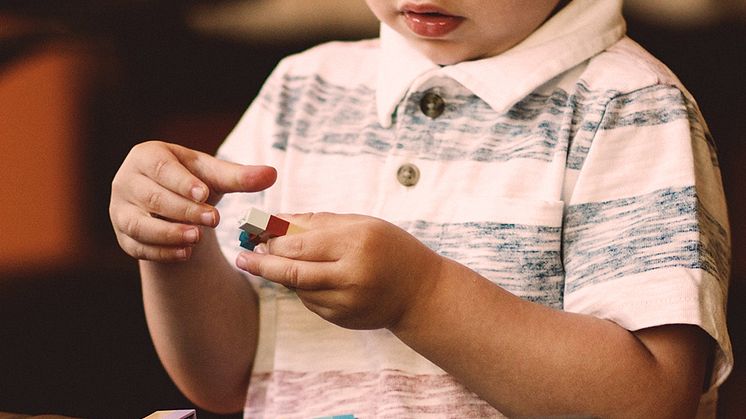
pixel 276 226
pixel 258 227
pixel 254 222
pixel 248 241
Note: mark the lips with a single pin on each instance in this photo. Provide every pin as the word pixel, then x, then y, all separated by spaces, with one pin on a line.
pixel 430 21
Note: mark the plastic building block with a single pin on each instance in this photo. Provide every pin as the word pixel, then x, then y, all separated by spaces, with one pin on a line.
pixel 276 226
pixel 247 241
pixel 255 221
pixel 257 227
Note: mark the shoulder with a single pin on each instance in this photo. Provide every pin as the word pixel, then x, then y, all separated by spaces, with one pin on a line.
pixel 627 67
pixel 339 62
pixel 627 85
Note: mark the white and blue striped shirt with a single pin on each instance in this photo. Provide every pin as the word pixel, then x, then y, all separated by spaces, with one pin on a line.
pixel 573 170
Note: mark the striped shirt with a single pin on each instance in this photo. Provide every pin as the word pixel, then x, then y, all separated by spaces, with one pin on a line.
pixel 573 170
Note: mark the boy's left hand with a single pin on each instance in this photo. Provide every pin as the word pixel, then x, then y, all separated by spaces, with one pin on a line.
pixel 355 271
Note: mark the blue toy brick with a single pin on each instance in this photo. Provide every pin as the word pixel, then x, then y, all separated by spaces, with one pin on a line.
pixel 246 241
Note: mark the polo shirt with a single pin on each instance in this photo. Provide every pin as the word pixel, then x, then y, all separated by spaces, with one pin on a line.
pixel 573 170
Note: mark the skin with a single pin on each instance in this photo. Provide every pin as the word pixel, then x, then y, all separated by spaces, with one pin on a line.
pixel 198 307
pixel 364 273
pixel 489 27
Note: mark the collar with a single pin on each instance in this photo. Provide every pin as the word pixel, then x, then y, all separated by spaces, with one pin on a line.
pixel 579 31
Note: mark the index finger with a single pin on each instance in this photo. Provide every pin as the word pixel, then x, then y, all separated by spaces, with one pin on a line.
pixel 164 166
pixel 221 176
pixel 313 245
pixel 320 220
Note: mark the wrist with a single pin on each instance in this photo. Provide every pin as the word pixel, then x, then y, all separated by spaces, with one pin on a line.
pixel 422 308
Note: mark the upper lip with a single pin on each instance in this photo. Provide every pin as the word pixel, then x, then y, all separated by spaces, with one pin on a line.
pixel 424 9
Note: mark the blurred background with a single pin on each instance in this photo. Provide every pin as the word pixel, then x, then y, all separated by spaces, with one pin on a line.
pixel 82 81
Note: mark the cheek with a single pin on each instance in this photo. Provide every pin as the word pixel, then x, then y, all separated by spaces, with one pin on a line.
pixel 381 9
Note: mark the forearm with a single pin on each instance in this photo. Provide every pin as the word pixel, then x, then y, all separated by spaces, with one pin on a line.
pixel 202 315
pixel 526 359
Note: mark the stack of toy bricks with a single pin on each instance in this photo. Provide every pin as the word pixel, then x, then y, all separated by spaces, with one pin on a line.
pixel 257 227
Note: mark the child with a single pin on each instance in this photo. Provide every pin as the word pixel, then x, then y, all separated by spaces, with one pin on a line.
pixel 556 239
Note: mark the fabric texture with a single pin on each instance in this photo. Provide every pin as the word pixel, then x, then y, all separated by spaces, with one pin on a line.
pixel 573 170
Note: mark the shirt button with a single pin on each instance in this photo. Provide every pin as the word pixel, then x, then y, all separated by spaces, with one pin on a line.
pixel 432 105
pixel 408 174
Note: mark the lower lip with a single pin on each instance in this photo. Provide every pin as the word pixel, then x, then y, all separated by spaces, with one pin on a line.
pixel 431 25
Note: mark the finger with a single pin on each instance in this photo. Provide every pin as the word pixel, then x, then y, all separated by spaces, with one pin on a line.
pixel 319 220
pixel 158 200
pixel 162 165
pixel 155 253
pixel 313 246
pixel 146 229
pixel 222 176
pixel 288 272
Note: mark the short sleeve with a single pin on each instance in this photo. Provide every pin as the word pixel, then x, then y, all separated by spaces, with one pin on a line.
pixel 646 238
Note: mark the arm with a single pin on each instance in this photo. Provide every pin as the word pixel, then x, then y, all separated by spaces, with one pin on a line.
pixel 498 344
pixel 201 313
pixel 203 317
pixel 523 358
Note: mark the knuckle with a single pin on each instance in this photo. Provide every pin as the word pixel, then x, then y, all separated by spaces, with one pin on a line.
pixel 116 182
pixel 365 238
pixel 147 146
pixel 165 254
pixel 174 235
pixel 307 217
pixel 292 274
pixel 160 166
pixel 123 242
pixel 154 201
pixel 139 251
pixel 114 215
pixel 192 212
pixel 319 216
pixel 140 147
pixel 132 227
pixel 295 247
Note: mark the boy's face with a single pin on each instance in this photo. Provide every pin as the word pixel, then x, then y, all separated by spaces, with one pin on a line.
pixel 451 31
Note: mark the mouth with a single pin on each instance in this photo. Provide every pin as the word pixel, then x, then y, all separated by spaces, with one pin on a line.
pixel 430 21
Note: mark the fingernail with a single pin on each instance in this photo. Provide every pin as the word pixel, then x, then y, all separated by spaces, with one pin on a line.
pixel 261 249
pixel 207 218
pixel 198 193
pixel 191 235
pixel 241 261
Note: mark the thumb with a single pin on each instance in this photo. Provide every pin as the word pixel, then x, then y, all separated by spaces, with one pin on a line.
pixel 222 176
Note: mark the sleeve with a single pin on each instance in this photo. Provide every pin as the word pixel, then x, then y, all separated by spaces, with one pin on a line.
pixel 646 239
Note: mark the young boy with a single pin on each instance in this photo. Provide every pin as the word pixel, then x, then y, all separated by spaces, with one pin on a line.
pixel 556 239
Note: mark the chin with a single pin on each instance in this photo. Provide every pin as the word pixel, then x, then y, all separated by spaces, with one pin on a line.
pixel 445 53
pixel 440 57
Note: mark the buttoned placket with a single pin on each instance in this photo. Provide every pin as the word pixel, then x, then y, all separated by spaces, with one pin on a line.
pixel 405 170
pixel 432 105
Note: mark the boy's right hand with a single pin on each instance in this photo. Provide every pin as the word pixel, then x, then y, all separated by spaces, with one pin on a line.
pixel 163 192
